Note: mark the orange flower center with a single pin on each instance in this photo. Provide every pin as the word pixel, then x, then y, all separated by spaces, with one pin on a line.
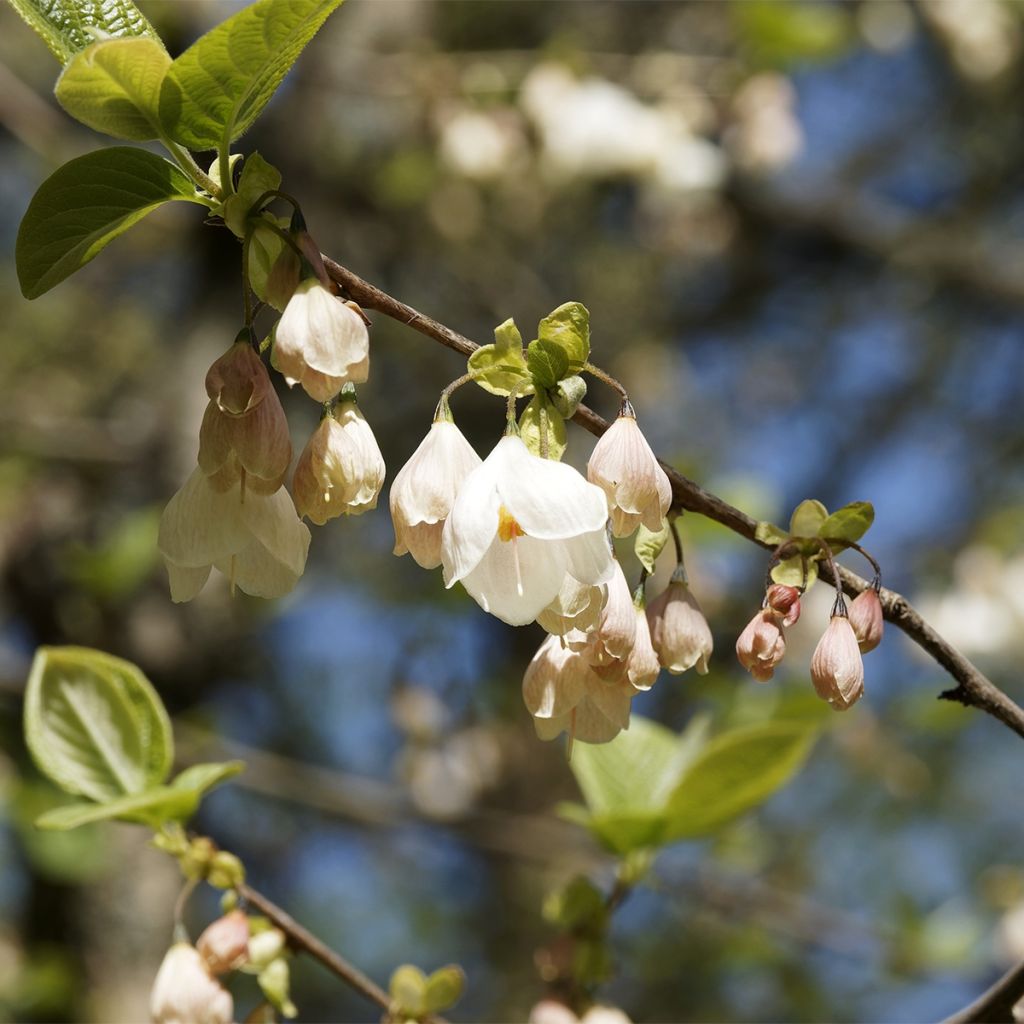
pixel 508 528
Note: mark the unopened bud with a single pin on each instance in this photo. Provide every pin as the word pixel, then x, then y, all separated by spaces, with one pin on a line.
pixel 679 631
pixel 784 600
pixel 224 945
pixel 866 619
pixel 185 993
pixel 762 645
pixel 226 871
pixel 837 669
pixel 266 946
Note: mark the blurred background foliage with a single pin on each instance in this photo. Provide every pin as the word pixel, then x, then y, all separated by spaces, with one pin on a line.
pixel 797 227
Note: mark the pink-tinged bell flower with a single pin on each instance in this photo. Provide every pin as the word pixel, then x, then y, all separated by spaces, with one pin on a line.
pixel 626 469
pixel 321 342
pixel 762 645
pixel 341 469
pixel 519 525
pixel 679 632
pixel 185 993
pixel 866 619
pixel 563 694
pixel 256 540
pixel 837 669
pixel 609 645
pixel 424 491
pixel 785 601
pixel 576 608
pixel 244 433
pixel 641 667
pixel 224 944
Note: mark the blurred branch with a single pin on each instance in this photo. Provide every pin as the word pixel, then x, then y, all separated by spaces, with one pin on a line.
pixel 994 1006
pixel 973 688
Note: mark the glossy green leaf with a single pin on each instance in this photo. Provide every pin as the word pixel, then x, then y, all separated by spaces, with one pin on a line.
pixel 84 205
pixel 95 725
pixel 217 88
pixel 502 366
pixel 444 988
pixel 568 327
pixel 114 87
pixel 532 429
pixel 769 533
pixel 849 523
pixel 547 363
pixel 69 26
pixel 807 518
pixel 796 572
pixel 648 544
pixel 735 772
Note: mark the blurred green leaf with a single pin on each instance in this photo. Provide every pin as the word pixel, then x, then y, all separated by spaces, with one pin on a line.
pixel 502 366
pixel 568 328
pixel 408 990
pixel 444 988
pixel 807 518
pixel 848 524
pixel 648 545
pixel 69 26
pixel 84 205
pixel 577 905
pixel 769 533
pixel 791 571
pixel 120 564
pixel 793 31
pixel 114 87
pixel 95 725
pixel 531 431
pixel 217 88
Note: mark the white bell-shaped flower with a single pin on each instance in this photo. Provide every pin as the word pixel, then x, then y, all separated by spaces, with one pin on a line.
pixel 609 644
pixel 519 524
pixel 679 631
pixel 256 540
pixel 320 342
pixel 185 993
pixel 576 609
pixel 425 488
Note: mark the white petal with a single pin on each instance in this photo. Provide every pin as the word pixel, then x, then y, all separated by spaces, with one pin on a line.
pixel 590 557
pixel 553 683
pixel 200 524
pixel 257 572
pixel 472 524
pixel 274 524
pixel 426 486
pixel 185 583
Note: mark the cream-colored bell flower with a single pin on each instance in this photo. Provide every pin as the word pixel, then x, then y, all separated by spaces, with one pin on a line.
pixel 321 342
pixel 641 667
pixel 610 643
pixel 256 540
pixel 244 433
pixel 424 490
pixel 519 525
pixel 762 645
pixel 679 632
pixel 866 619
pixel 576 608
pixel 563 694
pixel 341 469
pixel 185 993
pixel 837 669
pixel 626 469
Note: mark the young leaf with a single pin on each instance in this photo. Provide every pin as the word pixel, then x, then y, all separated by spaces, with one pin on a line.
pixel 531 430
pixel 568 327
pixel 85 205
pixel 769 533
pixel 408 990
pixel 95 725
pixel 736 771
pixel 444 988
pixel 648 545
pixel 807 518
pixel 796 572
pixel 257 177
pixel 114 87
pixel 547 363
pixel 220 84
pixel 69 26
pixel 502 366
pixel 848 524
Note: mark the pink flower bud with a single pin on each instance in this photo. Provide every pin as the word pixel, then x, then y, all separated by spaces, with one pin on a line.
pixel 225 943
pixel 679 631
pixel 185 993
pixel 784 600
pixel 762 645
pixel 837 669
pixel 866 619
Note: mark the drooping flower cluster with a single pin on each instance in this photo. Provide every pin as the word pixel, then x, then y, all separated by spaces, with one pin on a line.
pixel 233 513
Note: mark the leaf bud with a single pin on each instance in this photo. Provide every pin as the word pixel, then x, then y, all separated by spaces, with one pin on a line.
pixel 226 871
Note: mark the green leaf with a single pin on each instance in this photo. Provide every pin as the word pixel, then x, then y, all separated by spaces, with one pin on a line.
pixel 568 395
pixel 568 327
pixel 501 366
pixel 201 778
pixel 807 518
pixel 848 524
pixel 257 177
pixel 769 533
pixel 736 771
pixel 784 33
pixel 69 26
pixel 547 363
pixel 790 571
pixel 408 990
pixel 85 205
pixel 217 88
pixel 531 431
pixel 444 988
pixel 95 725
pixel 114 87
pixel 648 545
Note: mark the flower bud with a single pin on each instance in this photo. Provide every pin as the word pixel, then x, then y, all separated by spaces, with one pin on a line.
pixel 611 642
pixel 185 993
pixel 641 668
pixel 866 619
pixel 626 469
pixel 341 469
pixel 762 645
pixel 320 342
pixel 224 945
pixel 679 632
pixel 837 669
pixel 784 600
pixel 265 946
pixel 424 491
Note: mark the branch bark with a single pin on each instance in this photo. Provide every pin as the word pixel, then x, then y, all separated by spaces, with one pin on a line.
pixel 973 688
pixel 994 1006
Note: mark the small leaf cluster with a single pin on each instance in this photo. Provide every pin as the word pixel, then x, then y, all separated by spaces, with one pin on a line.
pixel 548 369
pixel 416 996
pixel 810 528
pixel 96 727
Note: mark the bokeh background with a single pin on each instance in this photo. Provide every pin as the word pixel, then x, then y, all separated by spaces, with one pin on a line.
pixel 797 227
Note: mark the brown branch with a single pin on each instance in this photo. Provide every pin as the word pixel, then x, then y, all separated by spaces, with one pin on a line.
pixel 303 940
pixel 973 689
pixel 995 1005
